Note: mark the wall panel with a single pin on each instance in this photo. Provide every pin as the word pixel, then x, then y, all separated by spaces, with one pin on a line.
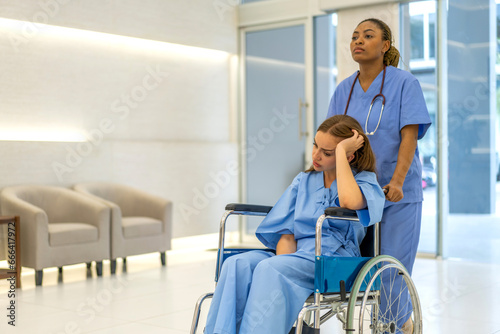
pixel 188 22
pixel 155 116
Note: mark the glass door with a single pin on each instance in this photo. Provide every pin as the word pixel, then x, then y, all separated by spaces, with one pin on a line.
pixel 472 230
pixel 275 112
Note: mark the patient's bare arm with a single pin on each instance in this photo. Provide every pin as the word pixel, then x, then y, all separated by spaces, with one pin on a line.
pixel 286 245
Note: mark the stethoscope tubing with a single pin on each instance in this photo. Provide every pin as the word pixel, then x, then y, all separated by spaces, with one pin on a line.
pixel 379 95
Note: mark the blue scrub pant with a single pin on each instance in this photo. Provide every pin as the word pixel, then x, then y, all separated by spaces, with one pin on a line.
pixel 400 233
pixel 259 292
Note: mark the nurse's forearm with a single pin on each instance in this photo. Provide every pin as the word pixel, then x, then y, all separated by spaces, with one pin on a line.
pixel 286 245
pixel 409 138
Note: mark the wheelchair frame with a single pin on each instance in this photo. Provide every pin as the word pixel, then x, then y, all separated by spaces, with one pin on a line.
pixel 363 293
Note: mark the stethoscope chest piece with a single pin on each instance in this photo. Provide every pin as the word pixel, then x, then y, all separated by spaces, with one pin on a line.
pixel 379 95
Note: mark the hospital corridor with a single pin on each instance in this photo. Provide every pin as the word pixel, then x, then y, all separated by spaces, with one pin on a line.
pixel 128 128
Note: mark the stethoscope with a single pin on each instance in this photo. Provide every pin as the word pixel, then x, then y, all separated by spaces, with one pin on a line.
pixel 379 95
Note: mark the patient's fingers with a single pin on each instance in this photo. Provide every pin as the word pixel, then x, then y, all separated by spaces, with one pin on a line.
pixel 352 144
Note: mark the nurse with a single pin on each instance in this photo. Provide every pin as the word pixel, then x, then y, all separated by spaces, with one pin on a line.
pixel 259 292
pixel 390 105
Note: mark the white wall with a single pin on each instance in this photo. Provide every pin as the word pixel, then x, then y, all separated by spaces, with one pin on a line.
pixel 156 117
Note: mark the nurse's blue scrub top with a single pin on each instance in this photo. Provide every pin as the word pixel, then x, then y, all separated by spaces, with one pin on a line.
pixel 405 105
pixel 305 200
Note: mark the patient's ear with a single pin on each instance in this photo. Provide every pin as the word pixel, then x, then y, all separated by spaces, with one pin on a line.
pixel 350 158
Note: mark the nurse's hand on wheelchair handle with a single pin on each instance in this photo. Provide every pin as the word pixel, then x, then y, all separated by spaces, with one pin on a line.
pixel 393 193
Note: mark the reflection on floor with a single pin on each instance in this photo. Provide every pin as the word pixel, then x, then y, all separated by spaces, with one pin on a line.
pixel 457 297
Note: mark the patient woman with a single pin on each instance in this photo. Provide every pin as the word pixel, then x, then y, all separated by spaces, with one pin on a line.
pixel 259 292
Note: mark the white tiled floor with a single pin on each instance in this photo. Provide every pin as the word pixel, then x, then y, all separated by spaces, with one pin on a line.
pixel 457 297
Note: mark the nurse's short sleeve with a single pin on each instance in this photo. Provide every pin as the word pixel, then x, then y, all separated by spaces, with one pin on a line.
pixel 374 196
pixel 332 107
pixel 339 98
pixel 280 220
pixel 413 107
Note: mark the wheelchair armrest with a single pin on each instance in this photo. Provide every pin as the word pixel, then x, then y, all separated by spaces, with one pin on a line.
pixel 248 208
pixel 236 209
pixel 341 212
pixel 335 213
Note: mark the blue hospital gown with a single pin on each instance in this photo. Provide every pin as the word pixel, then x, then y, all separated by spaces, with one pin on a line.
pixel 259 292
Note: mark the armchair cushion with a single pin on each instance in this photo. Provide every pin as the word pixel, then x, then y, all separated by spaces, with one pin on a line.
pixel 135 227
pixel 72 233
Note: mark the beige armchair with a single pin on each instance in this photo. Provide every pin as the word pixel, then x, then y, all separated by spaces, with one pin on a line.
pixel 59 227
pixel 140 222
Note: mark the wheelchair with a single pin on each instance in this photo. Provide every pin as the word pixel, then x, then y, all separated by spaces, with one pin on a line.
pixel 349 288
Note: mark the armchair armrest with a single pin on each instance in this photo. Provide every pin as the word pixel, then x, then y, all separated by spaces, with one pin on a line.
pixel 135 202
pixel 34 220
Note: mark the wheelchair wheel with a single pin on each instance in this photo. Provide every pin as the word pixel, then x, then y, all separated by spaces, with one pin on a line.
pixel 384 308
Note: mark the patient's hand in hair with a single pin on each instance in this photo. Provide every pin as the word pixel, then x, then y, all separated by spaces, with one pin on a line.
pixel 352 144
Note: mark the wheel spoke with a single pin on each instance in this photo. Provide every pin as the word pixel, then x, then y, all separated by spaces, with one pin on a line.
pixel 385 310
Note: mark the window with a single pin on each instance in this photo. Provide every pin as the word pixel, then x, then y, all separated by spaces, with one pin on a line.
pixel 422 17
pixel 325 67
